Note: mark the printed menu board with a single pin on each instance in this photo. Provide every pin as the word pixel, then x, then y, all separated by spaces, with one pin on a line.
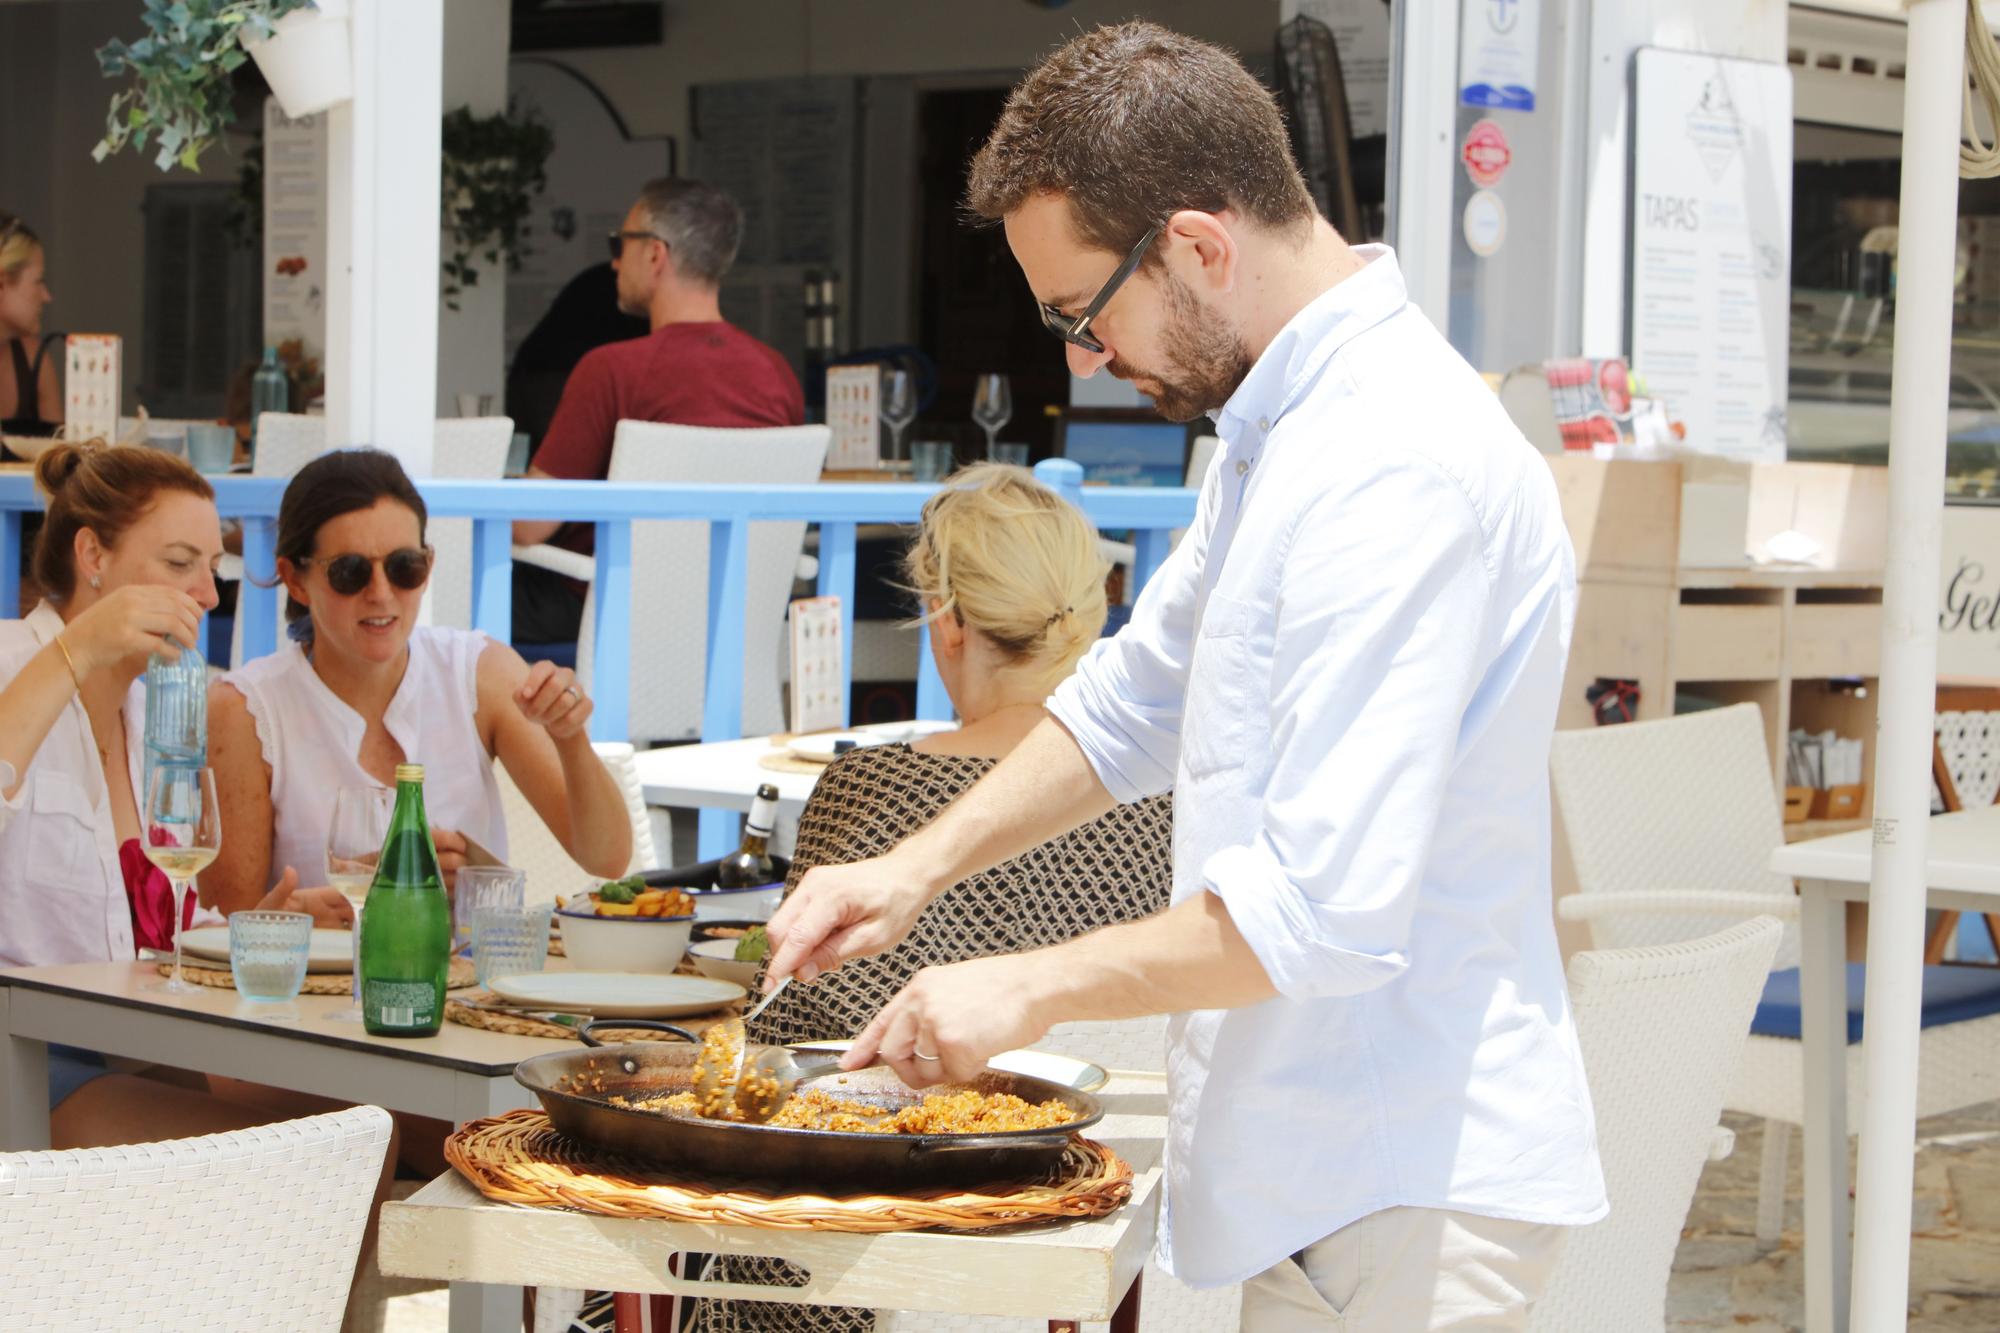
pixel 295 168
pixel 853 413
pixel 1711 228
pixel 90 385
pixel 817 665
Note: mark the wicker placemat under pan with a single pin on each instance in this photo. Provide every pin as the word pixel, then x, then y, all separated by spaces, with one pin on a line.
pixel 316 983
pixel 518 1158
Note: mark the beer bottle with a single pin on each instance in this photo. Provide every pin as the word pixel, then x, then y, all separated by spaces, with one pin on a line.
pixel 750 864
pixel 406 924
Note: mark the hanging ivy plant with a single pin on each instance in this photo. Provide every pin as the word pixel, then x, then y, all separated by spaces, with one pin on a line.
pixel 180 91
pixel 493 168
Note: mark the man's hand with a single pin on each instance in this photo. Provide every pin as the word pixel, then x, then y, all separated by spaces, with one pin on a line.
pixel 949 1021
pixel 327 906
pixel 842 912
pixel 451 853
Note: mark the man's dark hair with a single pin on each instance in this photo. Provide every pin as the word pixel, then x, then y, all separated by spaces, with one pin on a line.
pixel 699 222
pixel 1134 123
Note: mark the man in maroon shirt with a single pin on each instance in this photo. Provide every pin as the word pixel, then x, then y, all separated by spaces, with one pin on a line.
pixel 693 369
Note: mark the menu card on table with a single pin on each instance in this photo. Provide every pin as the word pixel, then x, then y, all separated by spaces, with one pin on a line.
pixel 816 665
pixel 853 411
pixel 91 385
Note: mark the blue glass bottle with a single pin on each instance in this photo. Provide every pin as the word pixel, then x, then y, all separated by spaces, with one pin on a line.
pixel 270 391
pixel 176 712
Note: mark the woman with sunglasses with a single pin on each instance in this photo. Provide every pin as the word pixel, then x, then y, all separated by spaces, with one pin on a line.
pixel 360 687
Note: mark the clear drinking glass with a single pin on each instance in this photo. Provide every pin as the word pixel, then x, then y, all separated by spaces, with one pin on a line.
pixel 1014 455
pixel 992 406
pixel 930 460
pixel 507 941
pixel 483 886
pixel 267 957
pixel 183 832
pixel 354 838
pixel 899 407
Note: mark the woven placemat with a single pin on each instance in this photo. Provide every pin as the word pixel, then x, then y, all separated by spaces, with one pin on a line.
pixel 518 1158
pixel 316 983
pixel 780 762
pixel 520 1025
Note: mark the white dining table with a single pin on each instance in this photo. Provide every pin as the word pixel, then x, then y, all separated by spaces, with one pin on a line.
pixel 1962 872
pixel 460 1074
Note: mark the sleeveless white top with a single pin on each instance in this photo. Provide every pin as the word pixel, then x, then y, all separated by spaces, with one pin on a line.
pixel 312 741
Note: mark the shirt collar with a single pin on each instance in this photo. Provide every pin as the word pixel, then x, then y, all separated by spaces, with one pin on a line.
pixel 44 622
pixel 1308 341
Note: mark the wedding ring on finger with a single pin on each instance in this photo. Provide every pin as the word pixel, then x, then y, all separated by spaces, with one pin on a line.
pixel 573 692
pixel 921 1056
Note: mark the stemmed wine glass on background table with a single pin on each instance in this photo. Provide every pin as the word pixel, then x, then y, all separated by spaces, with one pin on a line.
pixel 354 839
pixel 899 408
pixel 183 834
pixel 992 406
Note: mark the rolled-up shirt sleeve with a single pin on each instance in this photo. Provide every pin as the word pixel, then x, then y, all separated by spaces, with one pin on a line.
pixel 1123 703
pixel 1382 613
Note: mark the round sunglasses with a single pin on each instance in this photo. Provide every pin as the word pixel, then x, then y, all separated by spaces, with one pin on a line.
pixel 406 567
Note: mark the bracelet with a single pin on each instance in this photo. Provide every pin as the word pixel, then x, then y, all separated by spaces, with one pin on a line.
pixel 70 662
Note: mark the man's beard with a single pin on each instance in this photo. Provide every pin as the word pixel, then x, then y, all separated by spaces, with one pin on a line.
pixel 634 304
pixel 1208 360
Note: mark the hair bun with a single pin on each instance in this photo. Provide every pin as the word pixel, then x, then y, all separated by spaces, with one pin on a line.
pixel 55 465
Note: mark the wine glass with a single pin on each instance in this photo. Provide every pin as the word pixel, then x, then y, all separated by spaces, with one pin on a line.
pixel 899 407
pixel 183 834
pixel 992 406
pixel 354 837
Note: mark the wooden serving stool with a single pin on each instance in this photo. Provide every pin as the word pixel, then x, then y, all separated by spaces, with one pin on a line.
pixel 608 1231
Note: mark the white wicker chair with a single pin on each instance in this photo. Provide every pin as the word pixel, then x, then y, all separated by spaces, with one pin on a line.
pixel 532 848
pixel 1662 1028
pixel 1671 825
pixel 670 572
pixel 473 449
pixel 258 1228
pixel 286 442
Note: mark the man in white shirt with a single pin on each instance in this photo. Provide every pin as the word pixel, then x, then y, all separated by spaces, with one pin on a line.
pixel 1347 672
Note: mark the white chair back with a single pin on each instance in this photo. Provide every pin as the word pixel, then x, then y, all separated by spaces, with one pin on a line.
pixel 473 449
pixel 670 573
pixel 286 442
pixel 1681 805
pixel 531 847
pixel 258 1228
pixel 1662 1029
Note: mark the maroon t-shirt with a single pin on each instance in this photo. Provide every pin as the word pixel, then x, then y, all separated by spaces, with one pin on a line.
pixel 681 374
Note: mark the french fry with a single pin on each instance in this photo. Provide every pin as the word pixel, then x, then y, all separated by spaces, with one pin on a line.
pixel 617 909
pixel 651 908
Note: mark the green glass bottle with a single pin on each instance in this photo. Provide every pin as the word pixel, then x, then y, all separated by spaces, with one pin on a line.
pixel 406 924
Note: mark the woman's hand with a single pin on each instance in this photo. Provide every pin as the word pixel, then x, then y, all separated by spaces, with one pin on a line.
pixel 132 622
pixel 451 850
pixel 552 700
pixel 327 906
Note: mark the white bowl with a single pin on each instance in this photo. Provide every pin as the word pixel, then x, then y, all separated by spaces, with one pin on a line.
pixel 624 943
pixel 717 958
pixel 755 903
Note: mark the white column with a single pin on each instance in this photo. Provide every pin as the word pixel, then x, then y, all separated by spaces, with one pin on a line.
pixel 382 234
pixel 1423 100
pixel 1919 391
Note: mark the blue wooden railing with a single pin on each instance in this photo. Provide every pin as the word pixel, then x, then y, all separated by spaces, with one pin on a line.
pixel 838 510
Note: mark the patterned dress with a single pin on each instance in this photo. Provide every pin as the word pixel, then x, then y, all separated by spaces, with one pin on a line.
pixel 1113 869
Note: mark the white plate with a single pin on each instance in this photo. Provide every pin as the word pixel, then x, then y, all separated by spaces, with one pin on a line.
pixel 818 748
pixel 619 994
pixel 330 950
pixel 1078 1075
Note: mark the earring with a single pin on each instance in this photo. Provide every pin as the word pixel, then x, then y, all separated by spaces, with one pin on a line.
pixel 95 583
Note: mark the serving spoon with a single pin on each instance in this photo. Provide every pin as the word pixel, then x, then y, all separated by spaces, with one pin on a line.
pixel 757 1086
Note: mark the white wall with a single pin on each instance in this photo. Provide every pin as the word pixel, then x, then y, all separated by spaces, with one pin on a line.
pixel 1752 29
pixel 471 352
pixel 712 41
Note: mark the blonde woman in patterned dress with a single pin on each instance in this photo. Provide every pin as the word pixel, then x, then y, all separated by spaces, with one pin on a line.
pixel 1009 576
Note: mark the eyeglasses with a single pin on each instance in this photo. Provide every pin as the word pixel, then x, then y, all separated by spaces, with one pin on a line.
pixel 616 240
pixel 1077 330
pixel 407 567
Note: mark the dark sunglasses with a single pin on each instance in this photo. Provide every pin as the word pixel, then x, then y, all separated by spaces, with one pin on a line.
pixel 616 240
pixel 1078 330
pixel 407 568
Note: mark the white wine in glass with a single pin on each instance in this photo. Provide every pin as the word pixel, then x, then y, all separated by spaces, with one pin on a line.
pixel 353 847
pixel 183 833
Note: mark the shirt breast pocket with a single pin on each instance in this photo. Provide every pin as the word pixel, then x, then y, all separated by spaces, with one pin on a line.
pixel 1224 703
pixel 62 835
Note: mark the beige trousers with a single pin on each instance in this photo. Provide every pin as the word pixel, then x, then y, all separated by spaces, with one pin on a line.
pixel 1405 1270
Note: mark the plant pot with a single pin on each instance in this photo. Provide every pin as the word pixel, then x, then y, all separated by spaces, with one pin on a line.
pixel 308 59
